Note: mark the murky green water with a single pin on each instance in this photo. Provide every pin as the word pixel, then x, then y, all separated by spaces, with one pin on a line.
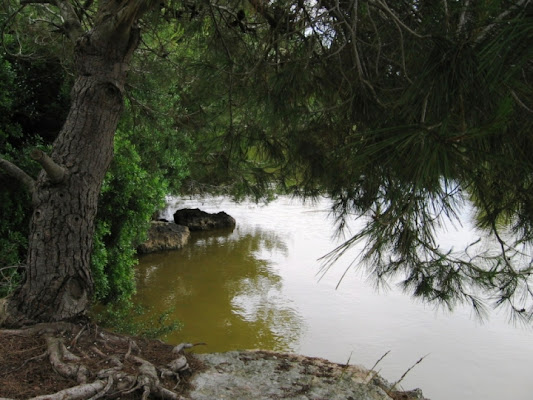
pixel 257 287
pixel 225 292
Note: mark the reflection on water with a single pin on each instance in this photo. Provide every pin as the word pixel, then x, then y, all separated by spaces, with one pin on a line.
pixel 257 287
pixel 224 289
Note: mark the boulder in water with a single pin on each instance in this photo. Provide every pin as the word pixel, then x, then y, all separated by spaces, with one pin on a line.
pixel 198 220
pixel 164 236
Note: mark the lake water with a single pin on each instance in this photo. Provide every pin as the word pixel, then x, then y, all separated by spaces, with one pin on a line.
pixel 258 287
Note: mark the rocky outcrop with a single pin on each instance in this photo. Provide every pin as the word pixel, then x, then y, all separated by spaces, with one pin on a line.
pixel 198 220
pixel 164 236
pixel 262 375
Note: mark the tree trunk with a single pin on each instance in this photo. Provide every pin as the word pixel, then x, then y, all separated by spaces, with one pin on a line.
pixel 58 284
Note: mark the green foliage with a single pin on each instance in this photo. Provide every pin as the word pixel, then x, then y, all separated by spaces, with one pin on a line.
pixel 226 154
pixel 129 197
pixel 124 317
pixel 9 279
pixel 150 154
pixel 402 114
pixel 15 202
pixel 32 107
pixel 150 162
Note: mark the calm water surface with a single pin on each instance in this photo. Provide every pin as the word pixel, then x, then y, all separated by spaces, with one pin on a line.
pixel 257 287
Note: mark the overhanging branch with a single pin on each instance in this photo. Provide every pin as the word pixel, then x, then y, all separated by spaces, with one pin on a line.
pixel 71 22
pixel 18 174
pixel 498 20
pixel 55 172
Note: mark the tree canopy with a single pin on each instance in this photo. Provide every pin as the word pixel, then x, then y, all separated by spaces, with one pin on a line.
pixel 401 112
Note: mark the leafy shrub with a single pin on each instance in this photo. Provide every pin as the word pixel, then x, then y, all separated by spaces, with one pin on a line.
pixel 130 195
pixel 124 317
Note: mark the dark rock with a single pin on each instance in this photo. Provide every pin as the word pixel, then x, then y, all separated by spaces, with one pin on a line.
pixel 198 220
pixel 164 236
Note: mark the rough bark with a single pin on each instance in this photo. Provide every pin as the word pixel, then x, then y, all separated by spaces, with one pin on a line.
pixel 58 283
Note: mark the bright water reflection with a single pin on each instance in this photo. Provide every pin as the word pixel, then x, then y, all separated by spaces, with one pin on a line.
pixel 257 287
pixel 224 290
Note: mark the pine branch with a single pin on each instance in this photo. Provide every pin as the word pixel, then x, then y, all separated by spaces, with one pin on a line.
pixel 382 4
pixel 261 8
pixel 499 19
pixel 55 172
pixel 71 22
pixel 463 18
pixel 18 174
pixel 447 15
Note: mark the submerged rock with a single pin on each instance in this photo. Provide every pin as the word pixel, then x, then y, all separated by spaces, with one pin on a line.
pixel 198 220
pixel 164 236
pixel 262 375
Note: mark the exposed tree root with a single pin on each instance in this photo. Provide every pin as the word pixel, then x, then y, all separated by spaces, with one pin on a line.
pixel 102 365
pixel 80 392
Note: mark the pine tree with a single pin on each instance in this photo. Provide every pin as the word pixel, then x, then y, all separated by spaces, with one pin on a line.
pixel 401 112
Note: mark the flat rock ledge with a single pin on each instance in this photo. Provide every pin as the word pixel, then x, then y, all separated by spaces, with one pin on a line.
pixel 164 236
pixel 259 374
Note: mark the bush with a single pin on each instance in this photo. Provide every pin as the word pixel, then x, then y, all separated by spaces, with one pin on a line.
pixel 130 196
pixel 124 317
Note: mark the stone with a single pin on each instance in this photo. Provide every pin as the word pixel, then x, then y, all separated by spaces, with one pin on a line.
pixel 262 375
pixel 198 220
pixel 164 236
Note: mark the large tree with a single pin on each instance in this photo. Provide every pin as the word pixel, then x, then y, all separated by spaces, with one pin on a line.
pixel 58 283
pixel 399 111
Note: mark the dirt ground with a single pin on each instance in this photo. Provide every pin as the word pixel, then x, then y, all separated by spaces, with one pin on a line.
pixel 25 369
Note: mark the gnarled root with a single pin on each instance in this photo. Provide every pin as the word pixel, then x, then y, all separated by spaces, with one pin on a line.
pixel 80 392
pixel 104 365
